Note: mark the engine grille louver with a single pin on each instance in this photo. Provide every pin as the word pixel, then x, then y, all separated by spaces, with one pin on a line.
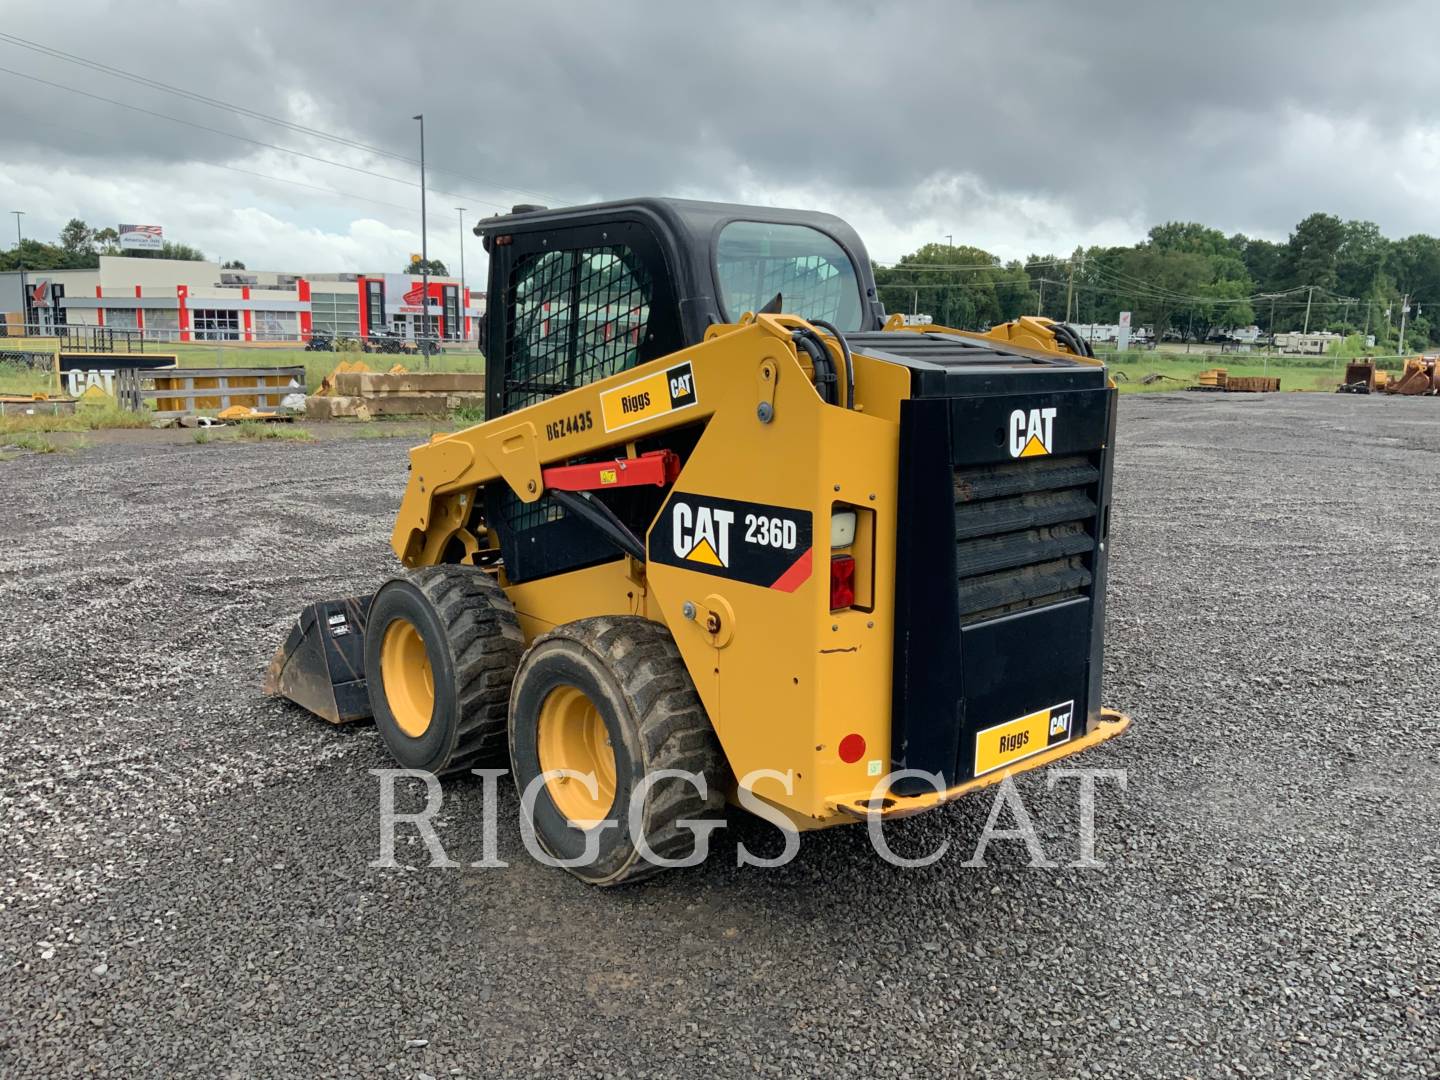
pixel 1024 531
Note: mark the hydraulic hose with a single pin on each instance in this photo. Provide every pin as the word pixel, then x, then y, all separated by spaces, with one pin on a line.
pixel 820 357
pixel 601 518
pixel 845 355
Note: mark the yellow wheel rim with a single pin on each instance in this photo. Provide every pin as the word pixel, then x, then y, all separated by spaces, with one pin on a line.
pixel 572 735
pixel 408 679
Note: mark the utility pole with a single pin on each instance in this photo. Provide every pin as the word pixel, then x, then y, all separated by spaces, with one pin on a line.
pixel 20 262
pixel 1070 285
pixel 1040 304
pixel 424 254
pixel 1366 332
pixel 1308 294
pixel 463 304
pixel 1404 310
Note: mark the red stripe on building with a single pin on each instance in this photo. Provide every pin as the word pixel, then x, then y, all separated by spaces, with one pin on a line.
pixel 139 314
pixel 364 308
pixel 182 314
pixel 247 314
pixel 99 309
pixel 303 288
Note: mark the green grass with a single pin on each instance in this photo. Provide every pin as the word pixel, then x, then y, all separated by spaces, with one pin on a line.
pixel 467 415
pixel 1321 373
pixel 28 440
pixel 284 432
pixel 87 418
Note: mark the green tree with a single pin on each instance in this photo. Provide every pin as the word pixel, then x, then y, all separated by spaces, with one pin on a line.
pixel 77 238
pixel 1164 283
pixel 1313 252
pixel 418 266
pixel 956 285
pixel 233 264
pixel 1361 257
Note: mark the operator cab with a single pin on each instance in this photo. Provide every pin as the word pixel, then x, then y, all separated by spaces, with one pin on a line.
pixel 580 293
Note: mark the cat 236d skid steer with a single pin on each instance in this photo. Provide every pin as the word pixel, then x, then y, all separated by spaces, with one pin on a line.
pixel 728 518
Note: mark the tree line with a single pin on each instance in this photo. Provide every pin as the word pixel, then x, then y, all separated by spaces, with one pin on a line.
pixel 79 247
pixel 1189 280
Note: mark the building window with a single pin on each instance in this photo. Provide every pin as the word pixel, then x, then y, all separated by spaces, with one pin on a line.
pixel 276 325
pixel 121 318
pixel 162 324
pixel 335 314
pixel 209 324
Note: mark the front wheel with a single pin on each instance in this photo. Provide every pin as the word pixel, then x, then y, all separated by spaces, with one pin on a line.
pixel 441 647
pixel 609 697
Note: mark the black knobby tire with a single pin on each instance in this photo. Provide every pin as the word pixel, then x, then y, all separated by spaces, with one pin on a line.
pixel 473 642
pixel 631 670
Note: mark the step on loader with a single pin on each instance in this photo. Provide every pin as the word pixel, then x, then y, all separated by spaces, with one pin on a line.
pixel 728 518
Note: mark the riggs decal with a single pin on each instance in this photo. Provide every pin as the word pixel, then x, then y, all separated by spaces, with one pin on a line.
pixel 648 397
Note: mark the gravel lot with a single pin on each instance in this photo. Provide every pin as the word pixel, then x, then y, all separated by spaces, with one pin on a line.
pixel 184 886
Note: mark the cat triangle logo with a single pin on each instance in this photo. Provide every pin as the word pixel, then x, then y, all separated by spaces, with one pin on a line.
pixel 702 534
pixel 703 552
pixel 1032 432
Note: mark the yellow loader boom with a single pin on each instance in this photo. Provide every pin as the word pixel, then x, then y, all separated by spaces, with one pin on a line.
pixel 866 561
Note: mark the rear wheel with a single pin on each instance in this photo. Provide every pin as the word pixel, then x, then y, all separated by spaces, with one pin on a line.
pixel 441 647
pixel 610 697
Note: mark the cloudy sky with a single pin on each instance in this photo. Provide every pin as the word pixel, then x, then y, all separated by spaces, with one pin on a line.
pixel 1026 126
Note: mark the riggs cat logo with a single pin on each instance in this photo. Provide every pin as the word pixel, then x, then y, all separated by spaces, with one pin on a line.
pixel 1032 432
pixel 648 397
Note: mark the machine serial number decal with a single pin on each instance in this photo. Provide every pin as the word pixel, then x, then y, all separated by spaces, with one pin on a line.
pixel 569 425
pixel 1015 740
pixel 763 545
pixel 644 399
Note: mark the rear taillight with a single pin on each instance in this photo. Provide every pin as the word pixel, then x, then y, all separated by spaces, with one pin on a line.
pixel 842 582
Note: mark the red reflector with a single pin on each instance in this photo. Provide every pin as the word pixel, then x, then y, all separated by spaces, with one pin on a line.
pixel 842 582
pixel 852 748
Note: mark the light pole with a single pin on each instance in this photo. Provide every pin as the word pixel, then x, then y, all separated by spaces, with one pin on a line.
pixel 20 261
pixel 463 304
pixel 424 253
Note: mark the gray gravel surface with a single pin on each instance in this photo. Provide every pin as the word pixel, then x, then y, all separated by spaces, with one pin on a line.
pixel 184 887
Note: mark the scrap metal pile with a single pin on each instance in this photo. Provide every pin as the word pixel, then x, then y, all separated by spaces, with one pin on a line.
pixel 1420 375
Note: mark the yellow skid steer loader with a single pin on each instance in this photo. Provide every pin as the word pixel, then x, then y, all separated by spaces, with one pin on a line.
pixel 727 518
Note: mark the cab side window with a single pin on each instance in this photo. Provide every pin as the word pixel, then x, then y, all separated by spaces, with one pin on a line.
pixel 573 316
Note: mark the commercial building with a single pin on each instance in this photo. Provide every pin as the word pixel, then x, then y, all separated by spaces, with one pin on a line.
pixel 182 300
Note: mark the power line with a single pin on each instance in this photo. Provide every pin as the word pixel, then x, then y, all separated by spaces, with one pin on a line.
pixel 251 172
pixel 242 110
pixel 241 138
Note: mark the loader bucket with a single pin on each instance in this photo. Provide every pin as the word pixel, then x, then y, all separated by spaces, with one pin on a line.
pixel 321 666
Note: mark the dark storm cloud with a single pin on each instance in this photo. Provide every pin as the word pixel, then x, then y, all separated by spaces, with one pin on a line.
pixel 1246 116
